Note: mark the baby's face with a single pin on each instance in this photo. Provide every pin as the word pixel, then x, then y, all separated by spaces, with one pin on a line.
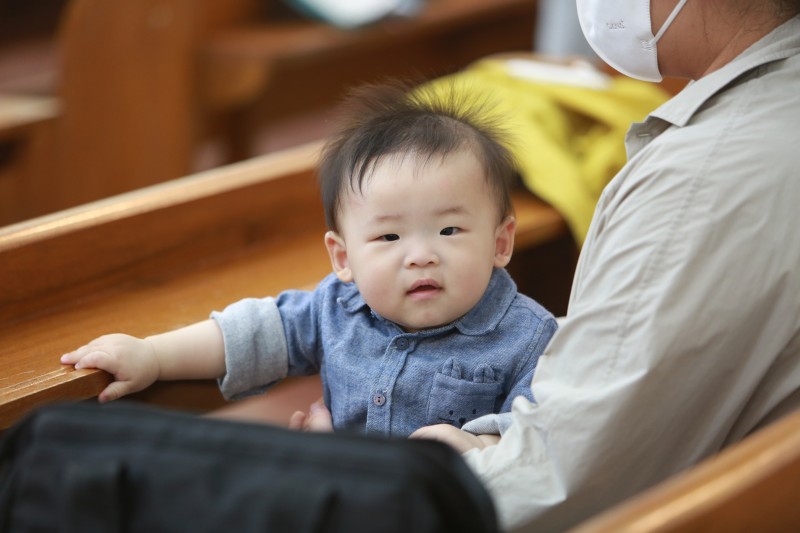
pixel 421 240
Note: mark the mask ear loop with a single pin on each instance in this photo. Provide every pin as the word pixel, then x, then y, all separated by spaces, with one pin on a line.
pixel 668 22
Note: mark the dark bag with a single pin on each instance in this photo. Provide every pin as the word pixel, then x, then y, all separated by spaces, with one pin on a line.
pixel 125 467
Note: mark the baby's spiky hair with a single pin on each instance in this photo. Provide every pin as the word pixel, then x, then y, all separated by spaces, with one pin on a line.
pixel 394 118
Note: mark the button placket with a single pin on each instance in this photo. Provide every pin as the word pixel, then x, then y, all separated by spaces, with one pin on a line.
pixel 380 408
pixel 379 397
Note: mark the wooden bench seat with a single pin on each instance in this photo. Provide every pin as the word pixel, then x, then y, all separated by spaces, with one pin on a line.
pixel 162 257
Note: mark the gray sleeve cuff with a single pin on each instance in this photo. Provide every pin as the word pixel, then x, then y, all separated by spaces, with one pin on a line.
pixel 495 424
pixel 256 355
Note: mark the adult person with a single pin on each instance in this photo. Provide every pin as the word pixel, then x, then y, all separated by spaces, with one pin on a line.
pixel 683 329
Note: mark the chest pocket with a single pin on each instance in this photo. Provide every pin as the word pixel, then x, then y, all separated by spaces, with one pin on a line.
pixel 456 399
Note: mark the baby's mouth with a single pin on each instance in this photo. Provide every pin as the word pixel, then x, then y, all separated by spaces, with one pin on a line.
pixel 424 287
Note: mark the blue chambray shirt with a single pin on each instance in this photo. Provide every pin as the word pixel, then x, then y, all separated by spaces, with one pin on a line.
pixel 377 378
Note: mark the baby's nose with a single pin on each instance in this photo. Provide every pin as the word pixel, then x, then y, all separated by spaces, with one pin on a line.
pixel 421 254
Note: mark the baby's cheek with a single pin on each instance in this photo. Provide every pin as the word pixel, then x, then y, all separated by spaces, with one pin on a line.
pixel 375 291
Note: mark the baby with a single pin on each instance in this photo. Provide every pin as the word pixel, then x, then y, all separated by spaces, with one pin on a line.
pixel 419 323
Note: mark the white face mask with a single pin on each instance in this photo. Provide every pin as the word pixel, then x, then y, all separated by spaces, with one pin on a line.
pixel 620 32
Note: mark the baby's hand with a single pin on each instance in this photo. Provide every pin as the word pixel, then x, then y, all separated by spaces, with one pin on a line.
pixel 318 419
pixel 462 441
pixel 132 362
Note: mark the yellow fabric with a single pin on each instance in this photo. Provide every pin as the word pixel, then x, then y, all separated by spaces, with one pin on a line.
pixel 568 140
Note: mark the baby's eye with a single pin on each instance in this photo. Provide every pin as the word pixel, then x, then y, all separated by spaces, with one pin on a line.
pixel 389 237
pixel 450 230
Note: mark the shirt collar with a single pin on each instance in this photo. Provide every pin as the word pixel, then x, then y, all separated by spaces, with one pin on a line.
pixel 482 318
pixel 492 306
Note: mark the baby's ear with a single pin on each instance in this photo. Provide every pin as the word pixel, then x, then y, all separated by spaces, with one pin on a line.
pixel 504 241
pixel 338 254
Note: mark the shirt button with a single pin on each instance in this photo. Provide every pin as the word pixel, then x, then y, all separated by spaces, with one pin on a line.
pixel 379 399
pixel 402 343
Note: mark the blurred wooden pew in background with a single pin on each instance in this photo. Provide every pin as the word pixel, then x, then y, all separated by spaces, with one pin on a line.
pixel 151 90
pixel 21 118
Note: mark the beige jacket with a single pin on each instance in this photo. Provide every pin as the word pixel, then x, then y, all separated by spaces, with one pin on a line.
pixel 683 330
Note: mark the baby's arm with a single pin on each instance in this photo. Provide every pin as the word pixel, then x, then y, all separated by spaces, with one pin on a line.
pixel 192 352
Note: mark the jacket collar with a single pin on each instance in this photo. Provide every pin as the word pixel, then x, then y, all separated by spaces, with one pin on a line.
pixel 782 42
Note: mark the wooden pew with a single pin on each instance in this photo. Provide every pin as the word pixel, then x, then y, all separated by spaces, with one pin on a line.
pixel 750 486
pixel 149 88
pixel 165 256
pixel 22 121
pixel 262 74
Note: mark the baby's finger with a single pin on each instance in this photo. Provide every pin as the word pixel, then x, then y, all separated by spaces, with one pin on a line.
pixel 98 359
pixel 319 418
pixel 114 391
pixel 70 358
pixel 297 420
